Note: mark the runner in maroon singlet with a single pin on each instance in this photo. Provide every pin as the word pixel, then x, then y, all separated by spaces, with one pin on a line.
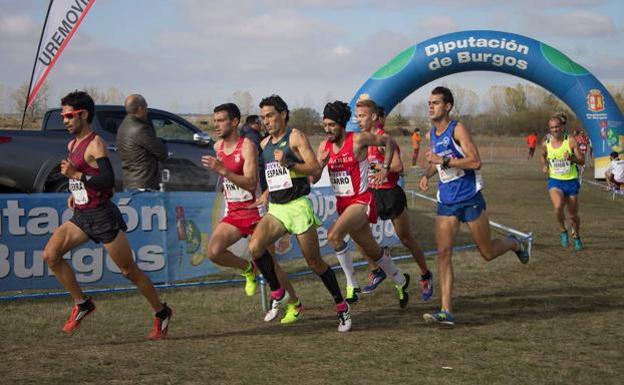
pixel 345 155
pixel 237 163
pixel 391 201
pixel 91 182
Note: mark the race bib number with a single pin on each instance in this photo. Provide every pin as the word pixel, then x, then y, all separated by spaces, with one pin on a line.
pixel 233 193
pixel 277 177
pixel 78 191
pixel 560 167
pixel 449 174
pixel 341 183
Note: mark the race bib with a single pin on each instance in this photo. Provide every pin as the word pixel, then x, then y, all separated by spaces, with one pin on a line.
pixel 449 174
pixel 79 192
pixel 277 177
pixel 560 167
pixel 233 193
pixel 341 183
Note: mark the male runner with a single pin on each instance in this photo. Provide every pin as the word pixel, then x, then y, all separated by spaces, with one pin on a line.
pixel 345 154
pixel 91 182
pixel 561 157
pixel 289 160
pixel 455 157
pixel 391 201
pixel 237 163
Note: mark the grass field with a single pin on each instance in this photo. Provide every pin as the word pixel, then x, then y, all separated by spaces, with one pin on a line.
pixel 557 320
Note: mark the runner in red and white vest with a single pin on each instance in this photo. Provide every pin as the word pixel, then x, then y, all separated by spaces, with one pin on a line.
pixel 345 154
pixel 391 201
pixel 96 218
pixel 237 163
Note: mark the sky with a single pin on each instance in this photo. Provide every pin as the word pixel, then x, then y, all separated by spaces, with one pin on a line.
pixel 189 55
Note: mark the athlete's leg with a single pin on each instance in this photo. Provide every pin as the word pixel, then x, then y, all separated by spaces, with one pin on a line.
pixel 224 236
pixel 573 203
pixel 488 247
pixel 557 198
pixel 266 233
pixel 121 253
pixel 282 276
pixel 403 230
pixel 65 238
pixel 445 232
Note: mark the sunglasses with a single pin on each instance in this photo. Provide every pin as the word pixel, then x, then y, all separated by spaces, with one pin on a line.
pixel 71 114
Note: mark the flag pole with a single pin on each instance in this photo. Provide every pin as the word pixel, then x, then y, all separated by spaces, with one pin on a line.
pixel 35 64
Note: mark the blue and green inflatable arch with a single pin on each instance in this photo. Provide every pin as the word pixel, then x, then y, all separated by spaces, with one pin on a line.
pixel 518 55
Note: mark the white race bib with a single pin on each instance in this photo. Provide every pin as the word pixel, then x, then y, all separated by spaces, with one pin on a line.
pixel 277 177
pixel 233 193
pixel 449 174
pixel 78 191
pixel 341 183
pixel 560 167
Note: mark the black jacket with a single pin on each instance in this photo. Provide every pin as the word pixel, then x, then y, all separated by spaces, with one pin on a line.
pixel 139 150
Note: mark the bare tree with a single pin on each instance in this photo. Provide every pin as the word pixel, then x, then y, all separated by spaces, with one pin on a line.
pixel 466 101
pixel 114 96
pixel 244 101
pixel 98 96
pixel 37 107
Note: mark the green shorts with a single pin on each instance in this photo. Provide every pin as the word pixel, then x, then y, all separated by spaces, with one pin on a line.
pixel 296 216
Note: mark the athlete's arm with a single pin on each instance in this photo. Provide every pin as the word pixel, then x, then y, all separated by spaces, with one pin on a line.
pixel 300 144
pixel 396 164
pixel 249 180
pixel 322 157
pixel 363 140
pixel 576 156
pixel 97 157
pixel 544 157
pixel 471 159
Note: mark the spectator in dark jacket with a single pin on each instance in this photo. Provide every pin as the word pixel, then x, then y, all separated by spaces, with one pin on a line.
pixel 139 147
pixel 252 130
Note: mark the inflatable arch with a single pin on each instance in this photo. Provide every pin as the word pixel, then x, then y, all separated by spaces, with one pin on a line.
pixel 509 53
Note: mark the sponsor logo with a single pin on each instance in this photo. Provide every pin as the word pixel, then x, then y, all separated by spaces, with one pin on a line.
pixel 595 101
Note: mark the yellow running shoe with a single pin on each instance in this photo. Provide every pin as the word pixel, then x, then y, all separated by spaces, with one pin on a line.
pixel 250 281
pixel 293 313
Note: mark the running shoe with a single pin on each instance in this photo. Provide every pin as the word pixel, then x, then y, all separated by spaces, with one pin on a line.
pixel 442 317
pixel 352 294
pixel 281 300
pixel 344 318
pixel 426 286
pixel 578 244
pixel 161 324
pixel 78 313
pixel 375 278
pixel 273 311
pixel 522 252
pixel 402 290
pixel 293 313
pixel 564 238
pixel 250 281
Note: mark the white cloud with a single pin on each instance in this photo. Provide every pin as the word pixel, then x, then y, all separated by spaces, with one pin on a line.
pixel 578 23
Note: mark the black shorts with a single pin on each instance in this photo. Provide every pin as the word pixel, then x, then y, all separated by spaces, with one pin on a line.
pixel 390 202
pixel 101 224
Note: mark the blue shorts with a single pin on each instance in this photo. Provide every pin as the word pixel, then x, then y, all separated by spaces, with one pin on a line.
pixel 466 211
pixel 569 188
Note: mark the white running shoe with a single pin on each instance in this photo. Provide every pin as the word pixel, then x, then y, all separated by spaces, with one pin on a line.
pixel 345 320
pixel 273 311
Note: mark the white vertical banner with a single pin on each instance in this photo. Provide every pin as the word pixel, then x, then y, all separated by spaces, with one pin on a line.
pixel 62 21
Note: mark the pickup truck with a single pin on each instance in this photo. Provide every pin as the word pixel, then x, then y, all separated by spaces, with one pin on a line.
pixel 30 160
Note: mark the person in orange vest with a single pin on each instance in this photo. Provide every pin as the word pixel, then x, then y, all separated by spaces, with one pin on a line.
pixel 532 143
pixel 416 139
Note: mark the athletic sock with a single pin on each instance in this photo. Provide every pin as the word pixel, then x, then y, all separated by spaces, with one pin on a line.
pixel 346 262
pixel 331 283
pixel 387 265
pixel 249 268
pixel 267 268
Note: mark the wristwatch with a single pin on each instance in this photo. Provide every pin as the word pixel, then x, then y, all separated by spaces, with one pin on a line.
pixel 385 166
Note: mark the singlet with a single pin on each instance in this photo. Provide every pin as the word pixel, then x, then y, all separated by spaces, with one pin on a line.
pixel 456 185
pixel 85 196
pixel 236 198
pixel 348 176
pixel 582 141
pixel 558 168
pixel 376 156
pixel 284 185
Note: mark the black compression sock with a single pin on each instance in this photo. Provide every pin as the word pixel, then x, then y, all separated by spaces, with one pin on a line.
pixel 267 268
pixel 330 282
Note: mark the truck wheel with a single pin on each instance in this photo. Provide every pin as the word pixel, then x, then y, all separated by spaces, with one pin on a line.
pixel 57 186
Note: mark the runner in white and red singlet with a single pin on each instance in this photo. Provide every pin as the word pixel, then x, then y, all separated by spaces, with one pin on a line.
pixel 345 155
pixel 96 218
pixel 391 201
pixel 237 163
